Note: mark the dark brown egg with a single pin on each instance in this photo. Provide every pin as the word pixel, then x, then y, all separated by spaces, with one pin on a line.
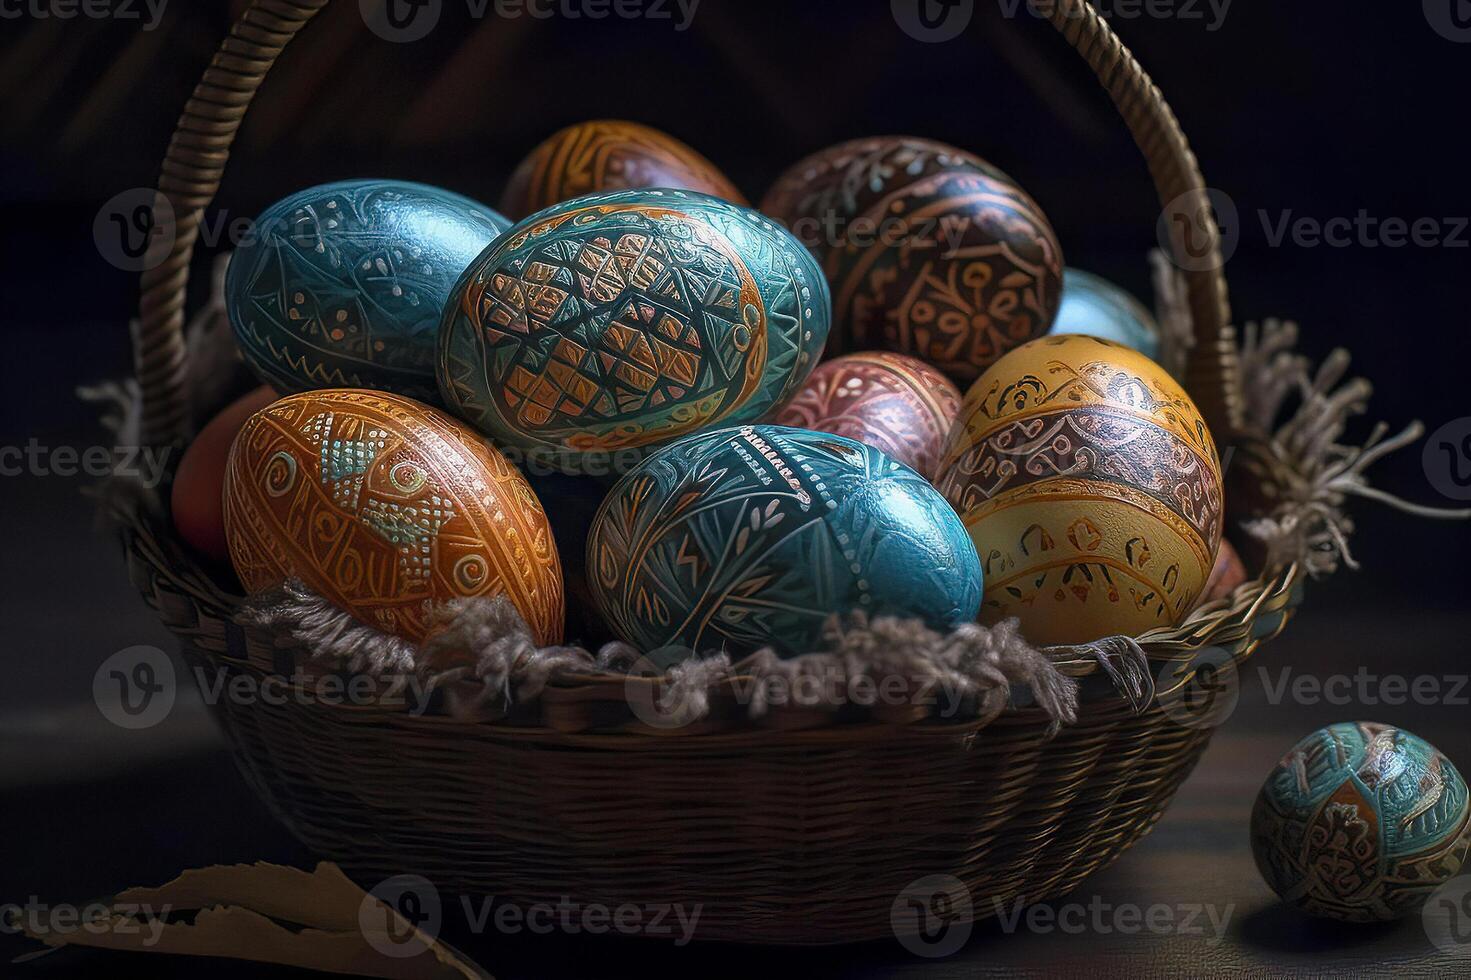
pixel 609 155
pixel 199 485
pixel 930 250
pixel 891 402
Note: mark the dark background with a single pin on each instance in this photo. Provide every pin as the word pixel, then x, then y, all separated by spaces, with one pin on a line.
pixel 1320 109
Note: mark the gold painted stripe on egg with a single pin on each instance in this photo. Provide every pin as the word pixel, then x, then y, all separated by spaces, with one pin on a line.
pixel 1087 492
pixel 974 475
pixel 1047 384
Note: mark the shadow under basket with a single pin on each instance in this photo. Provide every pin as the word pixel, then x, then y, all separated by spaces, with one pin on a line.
pixel 798 826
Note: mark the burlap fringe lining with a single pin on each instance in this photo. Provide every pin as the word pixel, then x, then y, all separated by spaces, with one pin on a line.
pixel 487 643
pixel 481 654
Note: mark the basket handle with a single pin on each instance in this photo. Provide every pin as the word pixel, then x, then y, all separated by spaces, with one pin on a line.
pixel 195 163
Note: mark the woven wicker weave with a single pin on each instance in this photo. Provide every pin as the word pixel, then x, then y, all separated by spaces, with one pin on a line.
pixel 797 830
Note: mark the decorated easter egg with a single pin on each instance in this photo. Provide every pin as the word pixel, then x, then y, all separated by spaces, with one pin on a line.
pixel 386 507
pixel 623 321
pixel 1094 306
pixel 342 285
pixel 892 402
pixel 197 498
pixel 1361 822
pixel 930 250
pixel 609 155
pixel 752 536
pixel 1091 487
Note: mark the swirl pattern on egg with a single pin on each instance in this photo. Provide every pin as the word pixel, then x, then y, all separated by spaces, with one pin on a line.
pixel 386 507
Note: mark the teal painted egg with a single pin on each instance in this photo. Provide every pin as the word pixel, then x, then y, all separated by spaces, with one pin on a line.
pixel 611 324
pixel 342 285
pixel 752 536
pixel 1094 306
pixel 1361 822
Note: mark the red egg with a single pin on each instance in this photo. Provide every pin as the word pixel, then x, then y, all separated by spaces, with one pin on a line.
pixel 1228 573
pixel 199 485
pixel 894 403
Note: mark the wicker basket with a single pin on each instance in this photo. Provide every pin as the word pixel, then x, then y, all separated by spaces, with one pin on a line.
pixel 801 829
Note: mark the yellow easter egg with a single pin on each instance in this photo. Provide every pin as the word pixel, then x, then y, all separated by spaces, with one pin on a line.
pixel 1091 488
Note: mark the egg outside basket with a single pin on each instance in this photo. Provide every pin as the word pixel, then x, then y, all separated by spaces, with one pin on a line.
pixel 802 825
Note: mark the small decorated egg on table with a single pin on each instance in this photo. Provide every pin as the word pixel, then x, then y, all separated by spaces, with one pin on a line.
pixel 1091 487
pixel 929 250
pixel 895 403
pixel 753 536
pixel 1092 305
pixel 1361 822
pixel 620 322
pixel 342 285
pixel 609 155
pixel 386 507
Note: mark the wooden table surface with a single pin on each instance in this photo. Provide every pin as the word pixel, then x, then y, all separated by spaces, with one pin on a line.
pixel 89 809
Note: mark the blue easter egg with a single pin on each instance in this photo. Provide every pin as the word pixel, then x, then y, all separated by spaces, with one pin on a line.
pixel 751 536
pixel 611 324
pixel 1361 822
pixel 343 285
pixel 1094 306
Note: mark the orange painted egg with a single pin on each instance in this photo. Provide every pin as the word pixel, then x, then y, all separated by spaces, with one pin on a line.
pixel 386 507
pixel 609 155
pixel 1229 572
pixel 1091 487
pixel 929 250
pixel 891 402
pixel 197 499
